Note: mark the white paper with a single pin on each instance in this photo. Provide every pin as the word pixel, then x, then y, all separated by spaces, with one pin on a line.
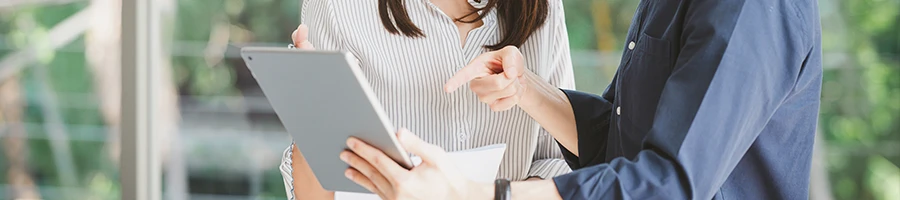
pixel 479 164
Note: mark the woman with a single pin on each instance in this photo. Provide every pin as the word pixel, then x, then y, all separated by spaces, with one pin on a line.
pixel 408 48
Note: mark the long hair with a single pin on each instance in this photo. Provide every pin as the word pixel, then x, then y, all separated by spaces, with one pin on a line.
pixel 518 19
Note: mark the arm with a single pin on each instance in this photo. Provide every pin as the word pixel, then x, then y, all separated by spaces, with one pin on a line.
pixel 323 32
pixel 305 185
pixel 728 80
pixel 565 114
pixel 548 160
pixel 560 114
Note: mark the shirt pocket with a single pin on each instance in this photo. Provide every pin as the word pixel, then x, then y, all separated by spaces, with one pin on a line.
pixel 645 77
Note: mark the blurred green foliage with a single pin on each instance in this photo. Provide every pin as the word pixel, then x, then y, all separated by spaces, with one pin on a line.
pixel 860 111
pixel 860 116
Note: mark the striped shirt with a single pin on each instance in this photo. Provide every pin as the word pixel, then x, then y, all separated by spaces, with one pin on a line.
pixel 408 74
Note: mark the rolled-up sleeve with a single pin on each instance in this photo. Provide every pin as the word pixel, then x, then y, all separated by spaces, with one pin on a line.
pixel 739 61
pixel 592 120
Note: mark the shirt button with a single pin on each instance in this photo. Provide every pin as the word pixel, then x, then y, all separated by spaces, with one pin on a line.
pixel 462 137
pixel 631 45
pixel 618 110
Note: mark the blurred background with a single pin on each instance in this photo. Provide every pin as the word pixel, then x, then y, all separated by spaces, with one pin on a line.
pixel 60 85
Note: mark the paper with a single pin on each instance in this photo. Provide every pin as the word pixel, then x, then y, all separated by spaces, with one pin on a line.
pixel 479 164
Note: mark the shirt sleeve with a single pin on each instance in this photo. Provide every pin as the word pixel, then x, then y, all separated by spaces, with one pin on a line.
pixel 548 160
pixel 592 120
pixel 324 29
pixel 287 172
pixel 728 80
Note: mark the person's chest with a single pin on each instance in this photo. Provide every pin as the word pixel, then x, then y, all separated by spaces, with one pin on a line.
pixel 421 65
pixel 650 52
pixel 408 74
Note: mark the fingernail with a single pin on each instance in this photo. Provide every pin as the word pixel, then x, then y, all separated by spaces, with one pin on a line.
pixel 348 174
pixel 344 157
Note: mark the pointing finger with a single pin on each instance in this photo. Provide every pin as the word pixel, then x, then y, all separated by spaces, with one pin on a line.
pixel 483 65
pixel 466 74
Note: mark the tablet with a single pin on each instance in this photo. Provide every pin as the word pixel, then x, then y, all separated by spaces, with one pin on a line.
pixel 322 100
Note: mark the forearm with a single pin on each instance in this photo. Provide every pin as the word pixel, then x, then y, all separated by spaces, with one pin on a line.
pixel 305 184
pixel 550 107
pixel 521 190
pixel 526 190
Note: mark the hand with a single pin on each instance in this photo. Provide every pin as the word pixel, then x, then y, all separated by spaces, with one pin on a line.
pixel 300 38
pixel 496 77
pixel 434 178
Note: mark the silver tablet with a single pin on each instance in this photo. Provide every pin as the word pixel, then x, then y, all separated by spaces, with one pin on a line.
pixel 322 100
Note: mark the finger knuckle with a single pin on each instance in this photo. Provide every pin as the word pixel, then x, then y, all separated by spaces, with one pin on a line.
pixel 474 85
pixel 377 161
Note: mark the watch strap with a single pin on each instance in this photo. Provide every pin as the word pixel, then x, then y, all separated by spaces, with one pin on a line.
pixel 502 191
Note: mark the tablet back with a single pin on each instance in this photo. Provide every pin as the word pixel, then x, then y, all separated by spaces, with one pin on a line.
pixel 322 100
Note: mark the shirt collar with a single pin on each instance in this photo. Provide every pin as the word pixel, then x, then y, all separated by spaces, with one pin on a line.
pixel 490 18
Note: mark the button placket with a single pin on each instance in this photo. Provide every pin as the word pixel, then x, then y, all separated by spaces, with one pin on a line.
pixel 462 137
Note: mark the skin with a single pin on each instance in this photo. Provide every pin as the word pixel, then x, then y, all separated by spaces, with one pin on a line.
pixel 493 76
pixel 307 186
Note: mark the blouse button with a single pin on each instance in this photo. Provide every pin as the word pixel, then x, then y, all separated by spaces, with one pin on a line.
pixel 462 137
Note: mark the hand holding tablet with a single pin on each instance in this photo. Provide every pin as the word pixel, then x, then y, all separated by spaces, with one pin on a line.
pixel 322 99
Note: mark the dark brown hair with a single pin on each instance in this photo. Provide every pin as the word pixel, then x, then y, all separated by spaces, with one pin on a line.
pixel 518 19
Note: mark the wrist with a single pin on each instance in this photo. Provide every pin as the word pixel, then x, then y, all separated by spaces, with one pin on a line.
pixel 482 191
pixel 531 96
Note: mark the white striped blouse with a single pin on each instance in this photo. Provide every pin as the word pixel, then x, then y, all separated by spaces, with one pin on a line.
pixel 408 74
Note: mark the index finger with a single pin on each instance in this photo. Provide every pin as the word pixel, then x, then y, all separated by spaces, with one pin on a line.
pixel 384 164
pixel 479 67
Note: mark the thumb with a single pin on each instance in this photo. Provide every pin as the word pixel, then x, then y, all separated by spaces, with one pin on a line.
pixel 295 36
pixel 428 152
pixel 300 37
pixel 512 61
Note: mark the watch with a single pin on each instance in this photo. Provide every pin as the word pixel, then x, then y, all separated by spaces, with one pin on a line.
pixel 502 190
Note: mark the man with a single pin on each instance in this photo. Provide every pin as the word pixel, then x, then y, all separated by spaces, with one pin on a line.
pixel 714 99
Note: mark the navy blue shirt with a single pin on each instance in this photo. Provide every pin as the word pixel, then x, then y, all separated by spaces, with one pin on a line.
pixel 714 99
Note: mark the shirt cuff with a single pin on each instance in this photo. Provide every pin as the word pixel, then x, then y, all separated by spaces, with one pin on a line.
pixel 287 172
pixel 592 121
pixel 548 168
